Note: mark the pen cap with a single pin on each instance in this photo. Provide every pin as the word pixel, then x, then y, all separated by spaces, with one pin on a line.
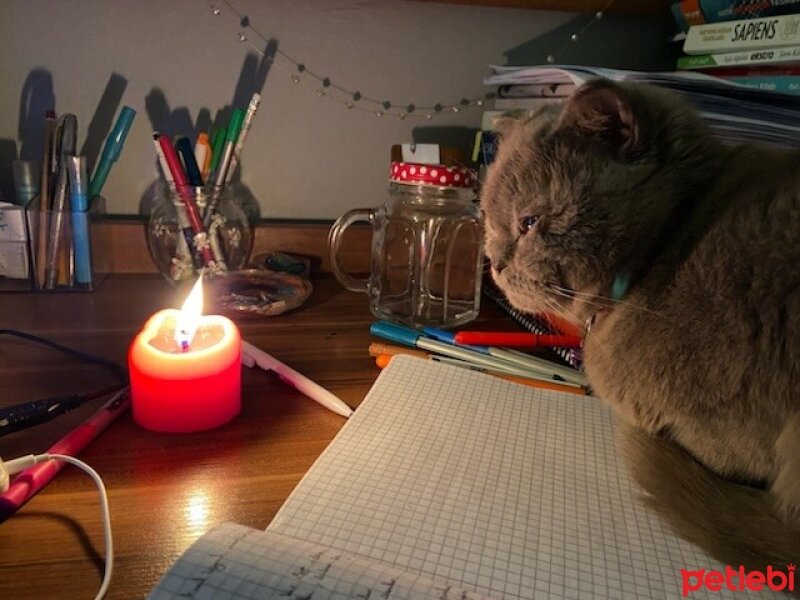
pixel 395 333
pixel 235 126
pixel 114 143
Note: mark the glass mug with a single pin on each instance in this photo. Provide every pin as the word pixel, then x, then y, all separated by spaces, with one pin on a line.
pixel 427 249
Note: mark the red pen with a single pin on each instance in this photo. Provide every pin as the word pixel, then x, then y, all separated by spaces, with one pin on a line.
pixel 29 482
pixel 181 185
pixel 517 340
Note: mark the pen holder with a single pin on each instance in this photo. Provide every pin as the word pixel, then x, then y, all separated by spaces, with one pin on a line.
pixel 52 251
pixel 180 249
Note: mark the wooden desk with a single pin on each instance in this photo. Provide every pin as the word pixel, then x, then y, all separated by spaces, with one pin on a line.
pixel 165 490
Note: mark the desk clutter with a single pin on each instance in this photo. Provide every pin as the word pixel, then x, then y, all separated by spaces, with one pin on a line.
pixel 46 239
pixel 450 484
pixel 197 222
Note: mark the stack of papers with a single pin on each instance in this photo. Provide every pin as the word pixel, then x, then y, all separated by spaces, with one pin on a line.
pixel 737 114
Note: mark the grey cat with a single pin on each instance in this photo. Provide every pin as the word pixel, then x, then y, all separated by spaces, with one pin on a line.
pixel 681 256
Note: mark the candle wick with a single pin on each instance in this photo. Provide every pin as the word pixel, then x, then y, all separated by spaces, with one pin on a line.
pixel 184 346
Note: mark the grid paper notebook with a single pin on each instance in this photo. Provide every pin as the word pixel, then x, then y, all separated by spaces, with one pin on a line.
pixel 448 483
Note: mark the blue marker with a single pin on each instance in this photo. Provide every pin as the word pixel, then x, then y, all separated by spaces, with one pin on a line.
pixel 112 149
pixel 79 203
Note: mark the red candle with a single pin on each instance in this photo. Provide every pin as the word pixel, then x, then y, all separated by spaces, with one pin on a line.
pixel 185 371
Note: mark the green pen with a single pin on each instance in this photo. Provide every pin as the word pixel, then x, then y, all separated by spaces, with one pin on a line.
pixel 231 135
pixel 218 141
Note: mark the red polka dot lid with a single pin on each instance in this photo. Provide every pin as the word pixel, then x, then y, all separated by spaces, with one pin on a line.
pixel 438 175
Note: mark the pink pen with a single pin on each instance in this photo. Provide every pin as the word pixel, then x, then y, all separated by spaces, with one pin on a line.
pixel 27 483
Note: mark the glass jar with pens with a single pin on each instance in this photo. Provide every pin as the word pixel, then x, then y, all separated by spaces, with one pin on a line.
pixel 195 228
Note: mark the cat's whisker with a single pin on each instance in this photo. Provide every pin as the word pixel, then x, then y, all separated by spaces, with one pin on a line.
pixel 601 301
pixel 554 307
pixel 587 300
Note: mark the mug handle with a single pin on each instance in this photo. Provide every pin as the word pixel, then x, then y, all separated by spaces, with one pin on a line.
pixel 335 237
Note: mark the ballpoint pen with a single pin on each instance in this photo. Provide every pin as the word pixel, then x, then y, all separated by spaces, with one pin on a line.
pixel 112 149
pixel 253 356
pixel 44 198
pixel 67 143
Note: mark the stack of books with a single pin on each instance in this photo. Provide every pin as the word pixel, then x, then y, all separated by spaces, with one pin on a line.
pixel 754 44
pixel 735 113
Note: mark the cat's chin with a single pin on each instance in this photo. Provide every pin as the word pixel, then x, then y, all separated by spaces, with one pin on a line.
pixel 525 302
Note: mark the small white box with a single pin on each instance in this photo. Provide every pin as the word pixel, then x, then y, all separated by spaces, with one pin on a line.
pixel 13 241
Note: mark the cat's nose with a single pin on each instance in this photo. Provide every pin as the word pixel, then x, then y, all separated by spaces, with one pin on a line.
pixel 498 267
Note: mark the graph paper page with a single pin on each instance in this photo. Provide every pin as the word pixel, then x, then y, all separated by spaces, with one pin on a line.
pixel 452 484
pixel 493 487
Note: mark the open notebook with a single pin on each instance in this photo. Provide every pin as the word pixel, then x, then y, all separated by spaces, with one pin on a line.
pixel 447 483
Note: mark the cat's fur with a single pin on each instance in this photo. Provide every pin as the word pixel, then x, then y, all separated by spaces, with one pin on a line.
pixel 701 356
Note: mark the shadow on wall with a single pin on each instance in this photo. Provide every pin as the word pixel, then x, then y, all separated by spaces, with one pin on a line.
pixel 177 122
pixel 606 43
pixel 38 97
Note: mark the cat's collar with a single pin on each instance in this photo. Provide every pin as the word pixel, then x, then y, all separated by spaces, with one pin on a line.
pixel 619 288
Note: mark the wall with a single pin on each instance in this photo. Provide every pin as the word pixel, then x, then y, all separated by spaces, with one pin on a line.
pixel 307 158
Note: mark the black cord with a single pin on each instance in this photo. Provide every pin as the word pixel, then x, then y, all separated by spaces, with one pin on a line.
pixel 116 368
pixel 21 416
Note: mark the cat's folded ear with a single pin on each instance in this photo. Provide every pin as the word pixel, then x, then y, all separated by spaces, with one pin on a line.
pixel 602 110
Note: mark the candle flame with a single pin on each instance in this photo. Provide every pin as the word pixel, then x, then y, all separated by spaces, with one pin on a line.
pixel 191 312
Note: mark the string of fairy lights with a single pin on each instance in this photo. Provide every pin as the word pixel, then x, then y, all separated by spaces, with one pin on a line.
pixel 354 99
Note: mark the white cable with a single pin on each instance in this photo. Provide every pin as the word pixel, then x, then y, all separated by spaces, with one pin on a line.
pixel 23 462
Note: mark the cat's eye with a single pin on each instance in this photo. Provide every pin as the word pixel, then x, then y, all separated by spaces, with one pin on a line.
pixel 527 223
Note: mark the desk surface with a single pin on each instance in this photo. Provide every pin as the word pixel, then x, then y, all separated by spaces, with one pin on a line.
pixel 166 490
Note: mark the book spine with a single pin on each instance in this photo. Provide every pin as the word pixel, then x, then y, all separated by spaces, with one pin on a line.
pixel 754 71
pixel 716 11
pixel 524 103
pixel 759 57
pixel 687 13
pixel 733 36
pixel 789 84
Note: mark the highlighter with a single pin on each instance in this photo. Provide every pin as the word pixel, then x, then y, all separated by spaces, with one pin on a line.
pixel 112 149
pixel 79 202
